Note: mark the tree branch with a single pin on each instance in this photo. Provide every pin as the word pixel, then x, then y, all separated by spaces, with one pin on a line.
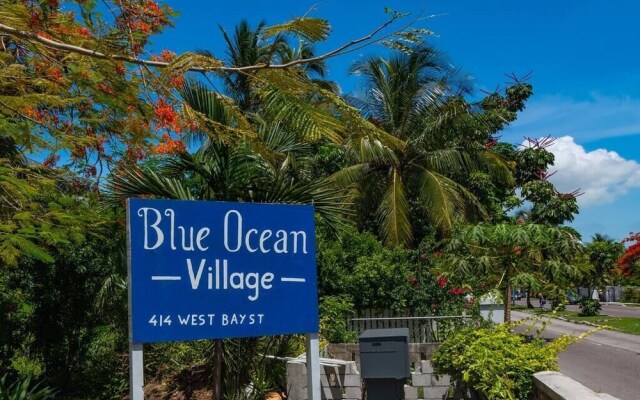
pixel 33 37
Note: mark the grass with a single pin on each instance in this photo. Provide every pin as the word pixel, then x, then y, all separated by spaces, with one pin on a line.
pixel 623 324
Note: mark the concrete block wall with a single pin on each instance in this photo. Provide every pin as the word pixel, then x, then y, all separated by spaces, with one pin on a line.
pixel 424 384
pixel 342 381
pixel 339 380
pixel 418 352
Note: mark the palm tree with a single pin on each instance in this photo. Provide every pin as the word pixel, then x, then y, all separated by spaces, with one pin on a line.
pixel 599 237
pixel 414 98
pixel 269 167
pixel 246 48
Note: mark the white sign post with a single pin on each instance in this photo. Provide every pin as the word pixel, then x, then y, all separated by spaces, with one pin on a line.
pixel 313 366
pixel 136 371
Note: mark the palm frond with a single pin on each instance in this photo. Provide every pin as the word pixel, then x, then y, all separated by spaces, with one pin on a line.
pixel 373 151
pixel 215 115
pixel 311 29
pixel 497 166
pixel 448 160
pixel 394 213
pixel 329 203
pixel 284 98
pixel 438 198
pixel 445 200
pixel 139 182
pixel 190 60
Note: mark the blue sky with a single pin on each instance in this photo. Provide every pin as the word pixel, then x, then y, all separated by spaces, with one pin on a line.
pixel 582 54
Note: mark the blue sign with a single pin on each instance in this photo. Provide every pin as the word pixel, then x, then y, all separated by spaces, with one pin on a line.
pixel 212 270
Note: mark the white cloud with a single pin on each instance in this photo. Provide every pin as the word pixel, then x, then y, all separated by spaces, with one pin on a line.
pixel 601 174
pixel 595 118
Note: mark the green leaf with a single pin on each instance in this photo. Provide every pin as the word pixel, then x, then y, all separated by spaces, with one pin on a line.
pixel 312 29
pixel 394 213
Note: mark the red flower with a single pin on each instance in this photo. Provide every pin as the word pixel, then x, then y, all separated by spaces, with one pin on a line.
pixel 628 263
pixel 135 154
pixel 83 32
pixel 90 171
pixel 176 81
pixel 120 69
pixel 51 160
pixel 55 75
pixel 457 291
pixel 490 143
pixel 166 116
pixel 103 87
pixel 169 146
pixel 34 114
pixel 79 152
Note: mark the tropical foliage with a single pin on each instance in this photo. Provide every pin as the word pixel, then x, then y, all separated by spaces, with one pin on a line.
pixel 589 307
pixel 494 363
pixel 505 255
pixel 23 389
pixel 602 254
pixel 444 146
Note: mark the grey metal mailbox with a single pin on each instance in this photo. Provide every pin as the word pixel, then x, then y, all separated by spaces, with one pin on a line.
pixel 384 362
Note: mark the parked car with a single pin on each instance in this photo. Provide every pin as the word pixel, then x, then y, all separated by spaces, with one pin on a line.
pixel 572 298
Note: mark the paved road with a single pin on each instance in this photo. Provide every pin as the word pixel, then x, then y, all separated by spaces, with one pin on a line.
pixel 614 311
pixel 606 361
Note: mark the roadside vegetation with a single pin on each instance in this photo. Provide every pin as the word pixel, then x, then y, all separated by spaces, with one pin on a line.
pixel 623 324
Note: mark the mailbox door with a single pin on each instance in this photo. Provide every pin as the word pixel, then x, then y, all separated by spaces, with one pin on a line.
pixel 384 359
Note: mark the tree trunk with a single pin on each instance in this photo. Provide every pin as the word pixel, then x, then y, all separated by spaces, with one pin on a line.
pixel 529 305
pixel 507 302
pixel 217 369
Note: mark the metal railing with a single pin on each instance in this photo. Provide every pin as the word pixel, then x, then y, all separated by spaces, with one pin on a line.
pixel 422 329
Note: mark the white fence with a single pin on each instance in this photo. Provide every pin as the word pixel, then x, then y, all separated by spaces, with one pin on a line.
pixel 422 329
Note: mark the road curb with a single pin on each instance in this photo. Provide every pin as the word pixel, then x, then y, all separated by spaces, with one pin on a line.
pixel 584 323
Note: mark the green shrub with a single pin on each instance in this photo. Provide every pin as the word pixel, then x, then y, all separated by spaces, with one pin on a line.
pixel 559 307
pixel 494 363
pixel 104 366
pixel 334 311
pixel 589 307
pixel 357 265
pixel 22 389
pixel 630 295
